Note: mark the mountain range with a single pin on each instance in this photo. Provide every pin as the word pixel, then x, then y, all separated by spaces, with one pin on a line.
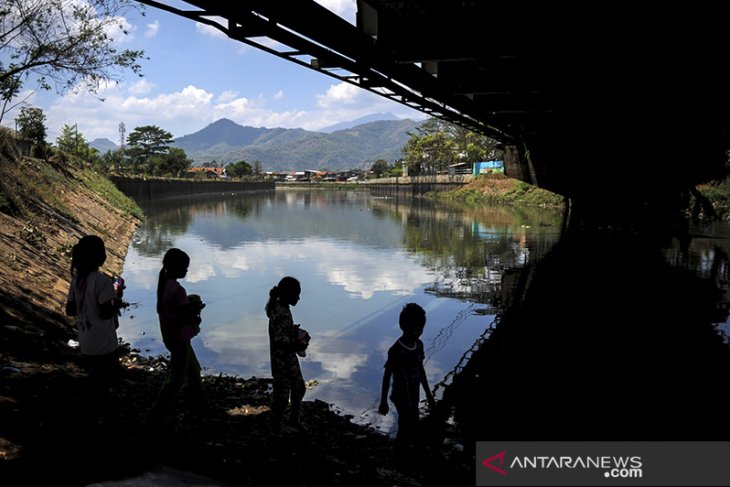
pixel 348 145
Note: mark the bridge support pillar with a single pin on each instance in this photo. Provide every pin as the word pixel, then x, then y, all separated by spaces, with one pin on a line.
pixel 518 164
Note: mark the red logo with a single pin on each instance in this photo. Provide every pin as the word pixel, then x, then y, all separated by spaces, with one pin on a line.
pixel 488 463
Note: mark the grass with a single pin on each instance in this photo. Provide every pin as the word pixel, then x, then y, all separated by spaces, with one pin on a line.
pixel 718 193
pixel 28 185
pixel 497 189
pixel 102 186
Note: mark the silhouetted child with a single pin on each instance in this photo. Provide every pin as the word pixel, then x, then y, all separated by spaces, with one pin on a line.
pixel 179 316
pixel 94 301
pixel 405 366
pixel 286 340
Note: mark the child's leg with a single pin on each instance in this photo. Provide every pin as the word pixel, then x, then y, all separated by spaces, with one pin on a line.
pixel 297 392
pixel 407 423
pixel 280 371
pixel 280 396
pixel 175 379
pixel 192 372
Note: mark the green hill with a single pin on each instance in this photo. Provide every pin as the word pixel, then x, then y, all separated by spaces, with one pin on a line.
pixel 287 149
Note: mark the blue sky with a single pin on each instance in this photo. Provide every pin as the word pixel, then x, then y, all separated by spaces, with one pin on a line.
pixel 195 75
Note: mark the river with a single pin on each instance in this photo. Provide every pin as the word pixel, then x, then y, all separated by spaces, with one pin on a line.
pixel 359 260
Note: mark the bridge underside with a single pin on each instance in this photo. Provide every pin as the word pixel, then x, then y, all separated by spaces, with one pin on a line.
pixel 611 108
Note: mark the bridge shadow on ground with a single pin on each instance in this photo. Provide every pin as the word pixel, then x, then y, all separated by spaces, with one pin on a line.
pixel 601 340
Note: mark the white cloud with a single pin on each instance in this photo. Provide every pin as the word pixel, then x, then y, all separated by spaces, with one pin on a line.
pixel 191 108
pixel 227 96
pixel 141 87
pixel 120 30
pixel 180 112
pixel 212 31
pixel 170 106
pixel 343 93
pixel 340 365
pixel 347 9
pixel 152 29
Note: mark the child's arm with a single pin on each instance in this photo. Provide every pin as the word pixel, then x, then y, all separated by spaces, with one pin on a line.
pixel 384 408
pixel 427 390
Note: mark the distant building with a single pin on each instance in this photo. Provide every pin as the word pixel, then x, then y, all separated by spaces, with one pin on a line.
pixel 211 172
pixel 460 168
pixel 488 167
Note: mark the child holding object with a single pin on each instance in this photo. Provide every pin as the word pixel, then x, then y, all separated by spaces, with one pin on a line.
pixel 286 341
pixel 95 302
pixel 405 367
pixel 180 320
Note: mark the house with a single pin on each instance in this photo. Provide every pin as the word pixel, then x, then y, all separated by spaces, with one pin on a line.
pixel 210 172
pixel 459 168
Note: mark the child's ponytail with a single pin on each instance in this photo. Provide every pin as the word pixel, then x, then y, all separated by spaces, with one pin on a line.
pixel 273 298
pixel 287 286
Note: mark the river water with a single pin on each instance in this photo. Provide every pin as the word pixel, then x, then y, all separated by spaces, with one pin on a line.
pixel 359 260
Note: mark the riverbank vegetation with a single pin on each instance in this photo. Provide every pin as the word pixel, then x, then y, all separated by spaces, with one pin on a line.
pixel 29 185
pixel 708 201
pixel 717 193
pixel 498 189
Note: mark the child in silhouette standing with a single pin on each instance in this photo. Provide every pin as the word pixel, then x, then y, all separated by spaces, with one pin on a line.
pixel 94 301
pixel 179 316
pixel 285 345
pixel 405 367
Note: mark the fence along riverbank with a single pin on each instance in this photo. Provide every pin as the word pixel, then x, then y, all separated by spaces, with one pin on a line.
pixel 417 185
pixel 147 188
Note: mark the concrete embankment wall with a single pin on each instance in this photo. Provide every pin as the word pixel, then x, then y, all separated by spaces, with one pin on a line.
pixel 416 186
pixel 142 189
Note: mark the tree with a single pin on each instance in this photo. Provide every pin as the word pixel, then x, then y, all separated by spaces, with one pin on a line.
pixel 144 143
pixel 63 43
pixel 438 144
pixel 9 89
pixel 379 168
pixel 396 170
pixel 73 142
pixel 112 161
pixel 31 126
pixel 430 150
pixel 474 147
pixel 174 163
pixel 239 169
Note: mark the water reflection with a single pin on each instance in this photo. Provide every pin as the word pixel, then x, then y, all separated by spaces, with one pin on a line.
pixel 603 338
pixel 359 260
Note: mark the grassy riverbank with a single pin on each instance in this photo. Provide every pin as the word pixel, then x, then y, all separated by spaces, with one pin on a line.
pixel 53 433
pixel 497 189
pixel 718 194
